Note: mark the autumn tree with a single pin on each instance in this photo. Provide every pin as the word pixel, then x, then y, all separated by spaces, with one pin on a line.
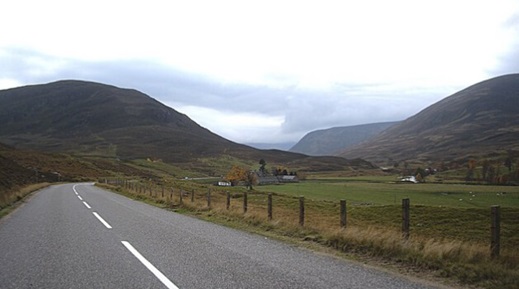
pixel 239 174
pixel 236 174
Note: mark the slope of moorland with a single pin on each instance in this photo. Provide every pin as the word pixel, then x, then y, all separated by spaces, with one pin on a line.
pixel 92 119
pixel 478 122
pixel 329 142
pixel 23 167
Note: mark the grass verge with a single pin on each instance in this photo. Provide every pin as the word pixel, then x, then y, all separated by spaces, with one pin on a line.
pixel 10 200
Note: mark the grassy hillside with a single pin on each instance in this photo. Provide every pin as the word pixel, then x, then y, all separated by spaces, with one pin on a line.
pixel 477 122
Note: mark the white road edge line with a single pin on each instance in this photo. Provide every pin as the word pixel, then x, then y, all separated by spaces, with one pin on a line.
pixel 80 197
pixel 150 266
pixel 74 189
pixel 102 220
pixel 86 205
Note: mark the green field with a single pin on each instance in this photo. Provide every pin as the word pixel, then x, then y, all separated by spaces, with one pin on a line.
pixel 384 191
pixel 451 211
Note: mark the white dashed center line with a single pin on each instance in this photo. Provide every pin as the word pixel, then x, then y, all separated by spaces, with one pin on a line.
pixel 102 220
pixel 130 248
pixel 150 266
pixel 74 189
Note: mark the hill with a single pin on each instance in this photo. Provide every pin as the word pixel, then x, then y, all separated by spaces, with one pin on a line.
pixel 333 140
pixel 478 122
pixel 22 167
pixel 92 119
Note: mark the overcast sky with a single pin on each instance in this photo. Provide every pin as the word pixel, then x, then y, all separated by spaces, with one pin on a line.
pixel 266 71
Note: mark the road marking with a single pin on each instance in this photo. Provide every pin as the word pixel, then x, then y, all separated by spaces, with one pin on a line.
pixel 102 220
pixel 150 266
pixel 74 189
pixel 79 197
pixel 86 205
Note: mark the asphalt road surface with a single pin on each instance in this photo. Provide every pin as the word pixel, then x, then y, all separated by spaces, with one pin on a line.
pixel 80 236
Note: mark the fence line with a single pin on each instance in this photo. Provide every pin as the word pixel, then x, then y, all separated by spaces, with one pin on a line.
pixel 151 191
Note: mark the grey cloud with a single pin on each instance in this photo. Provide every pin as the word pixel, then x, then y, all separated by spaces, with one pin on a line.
pixel 303 110
pixel 173 86
pixel 24 66
pixel 509 61
pixel 154 79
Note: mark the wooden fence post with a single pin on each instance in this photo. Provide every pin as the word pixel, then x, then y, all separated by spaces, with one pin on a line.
pixel 228 202
pixel 495 228
pixel 301 211
pixel 343 213
pixel 192 196
pixel 405 218
pixel 162 192
pixel 169 197
pixel 245 202
pixel 209 198
pixel 269 206
pixel 181 200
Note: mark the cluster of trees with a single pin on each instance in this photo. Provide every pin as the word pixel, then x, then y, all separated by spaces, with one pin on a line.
pixel 493 172
pixel 420 174
pixel 498 171
pixel 275 171
pixel 239 174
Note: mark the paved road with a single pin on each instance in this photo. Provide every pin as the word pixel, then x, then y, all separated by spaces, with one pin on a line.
pixel 80 236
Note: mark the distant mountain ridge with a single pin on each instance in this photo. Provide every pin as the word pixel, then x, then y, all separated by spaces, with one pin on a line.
pixel 266 146
pixel 480 121
pixel 333 140
pixel 94 119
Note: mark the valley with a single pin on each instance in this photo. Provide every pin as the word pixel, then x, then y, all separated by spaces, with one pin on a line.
pixel 462 151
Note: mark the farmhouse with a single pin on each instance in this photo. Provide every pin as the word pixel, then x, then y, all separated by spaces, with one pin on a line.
pixel 273 180
pixel 409 179
pixel 224 184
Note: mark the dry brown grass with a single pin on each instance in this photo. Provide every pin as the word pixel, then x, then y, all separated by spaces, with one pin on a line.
pixel 9 199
